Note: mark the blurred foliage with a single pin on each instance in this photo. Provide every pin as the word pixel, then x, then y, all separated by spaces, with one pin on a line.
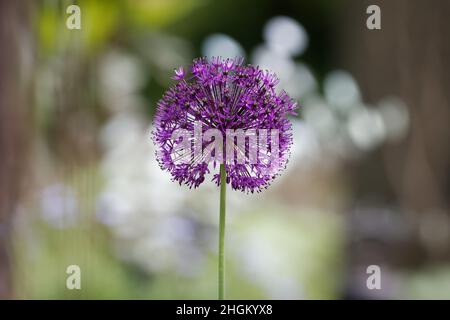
pixel 103 19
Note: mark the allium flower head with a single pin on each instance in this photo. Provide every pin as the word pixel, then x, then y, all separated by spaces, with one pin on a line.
pixel 226 96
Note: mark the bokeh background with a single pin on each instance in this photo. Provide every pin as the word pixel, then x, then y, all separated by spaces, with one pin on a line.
pixel 368 182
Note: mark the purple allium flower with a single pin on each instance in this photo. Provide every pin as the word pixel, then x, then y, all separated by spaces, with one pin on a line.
pixel 222 95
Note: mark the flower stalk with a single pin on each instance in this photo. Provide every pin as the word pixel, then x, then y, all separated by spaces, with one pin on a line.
pixel 223 193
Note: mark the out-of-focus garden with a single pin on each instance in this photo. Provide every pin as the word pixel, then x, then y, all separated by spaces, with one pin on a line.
pixel 367 182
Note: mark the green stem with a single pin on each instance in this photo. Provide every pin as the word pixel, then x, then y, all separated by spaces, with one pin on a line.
pixel 223 193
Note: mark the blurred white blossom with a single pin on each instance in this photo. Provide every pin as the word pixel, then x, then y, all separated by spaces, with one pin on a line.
pixel 222 45
pixel 59 206
pixel 286 36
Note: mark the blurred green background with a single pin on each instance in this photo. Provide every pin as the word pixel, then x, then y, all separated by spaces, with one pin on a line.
pixel 367 184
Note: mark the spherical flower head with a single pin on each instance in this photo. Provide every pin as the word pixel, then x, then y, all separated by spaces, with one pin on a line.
pixel 227 113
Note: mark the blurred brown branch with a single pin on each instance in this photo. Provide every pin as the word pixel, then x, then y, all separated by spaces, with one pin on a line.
pixel 410 58
pixel 13 142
